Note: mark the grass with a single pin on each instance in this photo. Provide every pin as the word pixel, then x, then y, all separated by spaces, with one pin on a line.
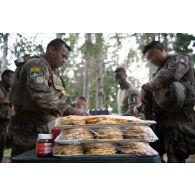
pixel 7 152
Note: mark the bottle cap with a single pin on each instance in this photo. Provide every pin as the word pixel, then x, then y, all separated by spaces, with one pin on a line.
pixel 44 136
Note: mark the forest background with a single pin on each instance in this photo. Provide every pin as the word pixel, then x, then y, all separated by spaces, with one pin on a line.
pixel 90 68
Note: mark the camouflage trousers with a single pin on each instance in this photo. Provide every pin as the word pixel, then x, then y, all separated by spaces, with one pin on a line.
pixel 3 133
pixel 23 132
pixel 176 132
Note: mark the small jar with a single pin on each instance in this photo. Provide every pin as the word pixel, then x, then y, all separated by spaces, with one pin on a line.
pixel 44 145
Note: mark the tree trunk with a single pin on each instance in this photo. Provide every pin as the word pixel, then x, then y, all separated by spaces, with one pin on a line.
pixel 165 40
pixel 5 52
pixel 60 35
pixel 88 61
pixel 99 71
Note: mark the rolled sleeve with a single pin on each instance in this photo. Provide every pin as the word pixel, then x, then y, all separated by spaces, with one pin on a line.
pixel 175 70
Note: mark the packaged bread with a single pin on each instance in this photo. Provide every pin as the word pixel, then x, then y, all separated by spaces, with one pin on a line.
pixel 106 119
pixel 68 149
pixel 108 133
pixel 143 133
pixel 76 134
pixel 100 149
pixel 136 148
pixel 70 120
pixel 99 119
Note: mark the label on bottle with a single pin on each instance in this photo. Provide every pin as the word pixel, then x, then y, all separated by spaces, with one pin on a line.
pixel 44 148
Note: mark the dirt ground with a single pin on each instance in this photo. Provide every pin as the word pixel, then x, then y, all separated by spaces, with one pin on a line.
pixel 6 160
pixel 191 159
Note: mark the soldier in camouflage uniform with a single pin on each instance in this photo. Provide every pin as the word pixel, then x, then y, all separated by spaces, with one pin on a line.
pixel 38 96
pixel 127 96
pixel 5 107
pixel 173 97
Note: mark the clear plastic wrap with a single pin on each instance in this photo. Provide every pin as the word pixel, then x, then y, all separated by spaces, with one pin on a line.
pixel 76 134
pixel 67 149
pixel 136 148
pixel 103 135
pixel 138 132
pixel 112 134
pixel 104 148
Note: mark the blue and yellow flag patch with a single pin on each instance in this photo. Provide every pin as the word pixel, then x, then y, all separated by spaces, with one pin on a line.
pixel 35 72
pixel 36 75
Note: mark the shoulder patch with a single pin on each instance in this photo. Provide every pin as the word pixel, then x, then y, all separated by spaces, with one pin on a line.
pixel 36 75
pixel 39 79
pixel 35 72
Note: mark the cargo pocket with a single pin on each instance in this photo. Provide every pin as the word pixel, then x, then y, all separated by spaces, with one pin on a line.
pixel 24 133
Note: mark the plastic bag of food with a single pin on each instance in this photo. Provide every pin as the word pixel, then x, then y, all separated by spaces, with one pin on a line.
pixel 136 148
pixel 108 133
pixel 76 134
pixel 137 132
pixel 67 149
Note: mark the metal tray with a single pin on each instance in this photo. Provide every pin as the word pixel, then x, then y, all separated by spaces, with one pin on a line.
pixel 103 156
pixel 58 141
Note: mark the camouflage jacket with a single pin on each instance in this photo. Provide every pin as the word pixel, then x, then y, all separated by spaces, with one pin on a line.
pixel 5 107
pixel 176 68
pixel 38 90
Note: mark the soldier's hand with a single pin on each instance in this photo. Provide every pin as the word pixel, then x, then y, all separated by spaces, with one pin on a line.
pixel 86 114
pixel 137 109
pixel 78 112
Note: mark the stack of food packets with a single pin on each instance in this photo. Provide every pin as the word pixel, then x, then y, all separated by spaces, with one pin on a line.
pixel 104 135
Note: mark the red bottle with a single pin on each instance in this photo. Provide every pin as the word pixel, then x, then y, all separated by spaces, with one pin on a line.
pixel 55 132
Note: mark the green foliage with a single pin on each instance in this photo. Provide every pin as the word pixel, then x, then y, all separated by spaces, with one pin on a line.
pixel 144 38
pixel 173 42
pixel 3 37
pixel 185 43
pixel 72 39
pixel 7 152
pixel 108 46
pixel 182 43
pixel 88 48
pixel 24 46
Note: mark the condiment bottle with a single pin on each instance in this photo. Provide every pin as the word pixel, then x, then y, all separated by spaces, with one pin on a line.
pixel 44 145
